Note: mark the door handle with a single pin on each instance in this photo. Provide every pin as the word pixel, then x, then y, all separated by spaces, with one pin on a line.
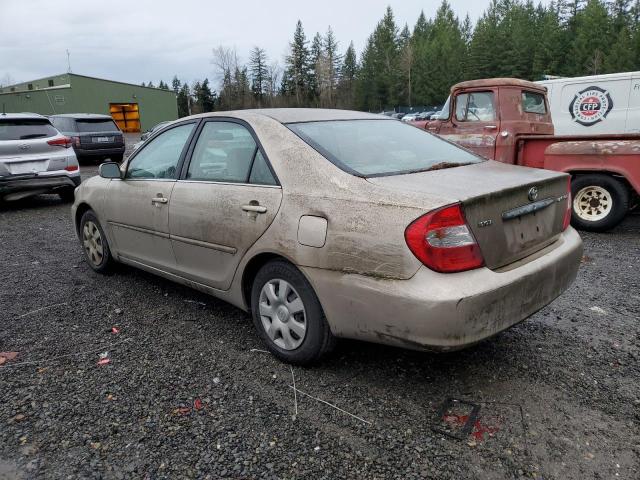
pixel 254 208
pixel 491 127
pixel 159 199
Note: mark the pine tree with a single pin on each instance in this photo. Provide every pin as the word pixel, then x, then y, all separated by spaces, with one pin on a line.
pixel 259 73
pixel 142 84
pixel 621 56
pixel 348 73
pixel 378 82
pixel 295 81
pixel 175 84
pixel 593 28
pixel 151 85
pixel 333 60
pixel 163 86
pixel 184 98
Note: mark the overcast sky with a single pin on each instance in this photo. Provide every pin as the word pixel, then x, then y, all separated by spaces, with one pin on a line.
pixel 139 40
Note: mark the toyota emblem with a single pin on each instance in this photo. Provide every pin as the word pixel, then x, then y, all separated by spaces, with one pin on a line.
pixel 533 194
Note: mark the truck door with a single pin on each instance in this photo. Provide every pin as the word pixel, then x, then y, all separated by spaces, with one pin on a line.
pixel 474 123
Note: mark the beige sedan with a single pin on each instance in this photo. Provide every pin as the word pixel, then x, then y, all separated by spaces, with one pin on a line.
pixel 328 223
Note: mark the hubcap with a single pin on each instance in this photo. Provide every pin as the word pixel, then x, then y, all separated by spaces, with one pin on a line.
pixel 282 314
pixel 92 241
pixel 592 203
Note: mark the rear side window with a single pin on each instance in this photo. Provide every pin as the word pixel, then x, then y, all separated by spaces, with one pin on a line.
pixel 533 103
pixel 475 107
pixel 25 129
pixel 102 125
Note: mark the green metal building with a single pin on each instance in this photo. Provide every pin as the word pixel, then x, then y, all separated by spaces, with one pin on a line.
pixel 133 107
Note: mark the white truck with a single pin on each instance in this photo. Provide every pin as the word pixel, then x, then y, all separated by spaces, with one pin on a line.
pixel 599 104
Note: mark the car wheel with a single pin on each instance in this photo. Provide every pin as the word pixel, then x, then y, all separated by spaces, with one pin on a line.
pixel 94 243
pixel 288 316
pixel 66 194
pixel 599 202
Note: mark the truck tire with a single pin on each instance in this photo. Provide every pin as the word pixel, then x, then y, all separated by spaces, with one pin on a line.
pixel 599 202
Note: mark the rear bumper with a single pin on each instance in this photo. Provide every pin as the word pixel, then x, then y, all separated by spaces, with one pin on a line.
pixel 99 152
pixel 434 311
pixel 25 183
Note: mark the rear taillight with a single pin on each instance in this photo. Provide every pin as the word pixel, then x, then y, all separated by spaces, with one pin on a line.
pixel 443 241
pixel 75 141
pixel 71 168
pixel 60 142
pixel 567 213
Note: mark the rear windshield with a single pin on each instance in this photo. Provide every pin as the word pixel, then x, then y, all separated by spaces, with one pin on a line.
pixel 102 125
pixel 25 129
pixel 381 147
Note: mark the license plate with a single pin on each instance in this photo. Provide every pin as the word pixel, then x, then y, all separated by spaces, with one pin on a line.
pixel 18 168
pixel 102 139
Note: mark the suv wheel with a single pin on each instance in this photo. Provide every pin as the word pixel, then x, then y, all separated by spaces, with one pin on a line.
pixel 94 243
pixel 288 316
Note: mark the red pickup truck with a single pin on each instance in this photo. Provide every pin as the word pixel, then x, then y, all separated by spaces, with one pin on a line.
pixel 508 120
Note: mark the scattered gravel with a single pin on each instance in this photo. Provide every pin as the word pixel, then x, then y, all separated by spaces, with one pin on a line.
pixel 187 391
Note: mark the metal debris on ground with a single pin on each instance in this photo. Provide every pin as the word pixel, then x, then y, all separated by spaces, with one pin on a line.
pixel 331 405
pixel 456 418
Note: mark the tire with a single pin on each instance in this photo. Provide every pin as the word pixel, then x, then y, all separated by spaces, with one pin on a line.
pixel 285 340
pixel 117 158
pixel 93 240
pixel 599 202
pixel 66 194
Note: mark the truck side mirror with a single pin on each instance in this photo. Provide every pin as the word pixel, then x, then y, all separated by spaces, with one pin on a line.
pixel 109 170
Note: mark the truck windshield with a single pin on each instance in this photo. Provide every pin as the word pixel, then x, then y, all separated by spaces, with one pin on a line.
pixel 369 148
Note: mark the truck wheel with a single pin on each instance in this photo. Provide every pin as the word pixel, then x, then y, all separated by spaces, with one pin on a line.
pixel 600 202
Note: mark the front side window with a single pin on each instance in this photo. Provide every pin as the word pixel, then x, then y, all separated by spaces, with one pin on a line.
pixel 381 147
pixel 159 158
pixel 224 152
pixel 475 107
pixel 533 103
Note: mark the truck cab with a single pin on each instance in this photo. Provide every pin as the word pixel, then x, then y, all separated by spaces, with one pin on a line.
pixel 509 120
pixel 487 116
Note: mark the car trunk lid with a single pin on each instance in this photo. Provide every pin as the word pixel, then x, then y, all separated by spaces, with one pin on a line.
pixel 512 211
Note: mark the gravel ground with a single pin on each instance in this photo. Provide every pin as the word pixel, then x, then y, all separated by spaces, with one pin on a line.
pixel 185 396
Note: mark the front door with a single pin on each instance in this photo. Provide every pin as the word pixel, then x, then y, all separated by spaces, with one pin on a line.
pixel 138 207
pixel 226 200
pixel 474 123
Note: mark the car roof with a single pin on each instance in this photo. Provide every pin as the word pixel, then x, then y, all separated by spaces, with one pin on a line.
pixel 22 115
pixel 96 116
pixel 296 115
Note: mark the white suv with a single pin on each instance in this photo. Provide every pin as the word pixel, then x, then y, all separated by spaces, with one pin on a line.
pixel 35 158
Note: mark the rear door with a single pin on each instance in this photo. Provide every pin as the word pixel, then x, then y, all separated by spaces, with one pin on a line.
pixel 137 207
pixel 474 122
pixel 227 197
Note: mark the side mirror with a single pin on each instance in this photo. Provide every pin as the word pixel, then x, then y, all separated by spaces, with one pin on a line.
pixel 109 170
